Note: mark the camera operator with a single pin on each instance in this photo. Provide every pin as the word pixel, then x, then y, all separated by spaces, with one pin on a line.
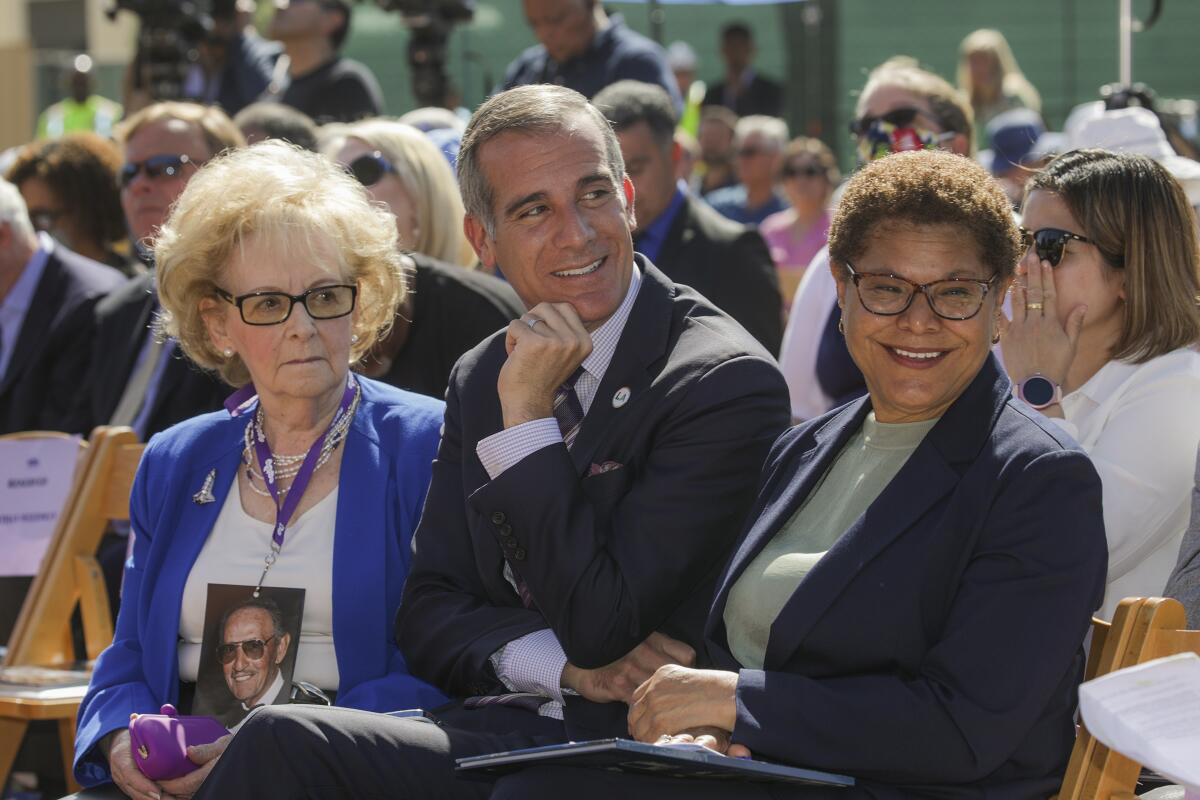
pixel 236 64
pixel 320 82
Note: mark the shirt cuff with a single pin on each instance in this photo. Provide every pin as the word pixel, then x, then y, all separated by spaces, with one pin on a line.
pixel 502 450
pixel 534 663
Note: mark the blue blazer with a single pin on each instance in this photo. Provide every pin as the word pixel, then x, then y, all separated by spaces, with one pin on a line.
pixel 935 650
pixel 384 476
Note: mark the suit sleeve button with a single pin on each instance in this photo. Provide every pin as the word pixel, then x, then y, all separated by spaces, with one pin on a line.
pixel 497 517
pixel 505 529
pixel 519 554
pixel 509 542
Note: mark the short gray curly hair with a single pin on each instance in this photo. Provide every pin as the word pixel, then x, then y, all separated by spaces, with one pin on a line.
pixel 277 190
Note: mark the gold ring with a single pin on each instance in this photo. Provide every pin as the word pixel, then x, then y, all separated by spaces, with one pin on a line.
pixel 1033 306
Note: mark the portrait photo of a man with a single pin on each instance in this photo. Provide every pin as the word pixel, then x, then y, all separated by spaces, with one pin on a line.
pixel 253 645
pixel 249 650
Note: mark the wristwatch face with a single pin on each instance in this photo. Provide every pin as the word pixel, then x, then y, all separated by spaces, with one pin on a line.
pixel 1037 391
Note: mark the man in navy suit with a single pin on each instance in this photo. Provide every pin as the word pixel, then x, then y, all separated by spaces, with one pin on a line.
pixel 597 459
pixel 46 297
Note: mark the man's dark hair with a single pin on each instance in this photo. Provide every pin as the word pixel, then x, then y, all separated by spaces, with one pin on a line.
pixel 266 604
pixel 626 103
pixel 737 30
pixel 278 121
pixel 338 37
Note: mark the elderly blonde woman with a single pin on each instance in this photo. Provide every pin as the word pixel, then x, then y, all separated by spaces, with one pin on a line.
pixel 450 309
pixel 277 272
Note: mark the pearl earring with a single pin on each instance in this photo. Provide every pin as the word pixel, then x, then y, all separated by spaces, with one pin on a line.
pixel 354 338
pixel 227 352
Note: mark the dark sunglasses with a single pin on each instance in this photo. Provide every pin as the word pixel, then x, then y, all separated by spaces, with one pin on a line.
pixel 253 648
pixel 155 167
pixel 272 308
pixel 1051 243
pixel 803 170
pixel 899 117
pixel 370 169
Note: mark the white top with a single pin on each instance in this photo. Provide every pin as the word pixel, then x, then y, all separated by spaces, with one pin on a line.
pixel 1139 423
pixel 234 552
pixel 814 301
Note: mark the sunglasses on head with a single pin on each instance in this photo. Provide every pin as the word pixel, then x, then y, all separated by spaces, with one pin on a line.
pixel 370 169
pixel 1051 243
pixel 155 167
pixel 803 170
pixel 253 648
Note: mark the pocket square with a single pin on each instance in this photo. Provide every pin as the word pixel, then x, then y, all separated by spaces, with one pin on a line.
pixel 600 469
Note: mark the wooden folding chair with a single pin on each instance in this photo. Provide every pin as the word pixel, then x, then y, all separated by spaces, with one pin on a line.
pixel 1143 629
pixel 70 577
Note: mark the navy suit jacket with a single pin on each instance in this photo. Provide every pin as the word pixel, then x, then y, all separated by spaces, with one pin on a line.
pixel 120 331
pixel 383 479
pixel 609 557
pixel 935 650
pixel 729 264
pixel 42 378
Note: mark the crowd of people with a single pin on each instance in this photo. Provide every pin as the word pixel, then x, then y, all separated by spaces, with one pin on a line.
pixel 613 411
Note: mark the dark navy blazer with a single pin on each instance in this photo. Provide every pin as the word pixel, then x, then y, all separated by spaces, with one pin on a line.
pixel 936 648
pixel 384 476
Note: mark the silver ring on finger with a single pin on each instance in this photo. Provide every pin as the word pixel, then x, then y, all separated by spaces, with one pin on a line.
pixel 531 321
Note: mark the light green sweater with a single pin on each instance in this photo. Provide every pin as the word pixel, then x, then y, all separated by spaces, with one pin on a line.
pixel 867 464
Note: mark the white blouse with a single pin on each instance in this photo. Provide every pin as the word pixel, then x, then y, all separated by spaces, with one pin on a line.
pixel 1140 423
pixel 234 553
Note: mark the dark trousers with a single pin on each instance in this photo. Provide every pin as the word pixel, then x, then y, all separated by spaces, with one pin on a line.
pixel 554 783
pixel 300 751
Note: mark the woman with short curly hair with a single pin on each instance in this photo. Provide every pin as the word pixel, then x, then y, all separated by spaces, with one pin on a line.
pixel 277 272
pixel 70 187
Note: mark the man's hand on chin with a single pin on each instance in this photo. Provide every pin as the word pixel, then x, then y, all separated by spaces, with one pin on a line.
pixel 545 346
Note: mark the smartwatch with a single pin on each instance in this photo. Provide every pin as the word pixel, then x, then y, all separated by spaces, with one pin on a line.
pixel 1038 391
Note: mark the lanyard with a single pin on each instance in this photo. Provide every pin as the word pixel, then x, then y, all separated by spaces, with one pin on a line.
pixel 238 404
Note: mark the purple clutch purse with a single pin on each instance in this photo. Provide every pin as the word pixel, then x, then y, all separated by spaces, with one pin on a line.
pixel 160 741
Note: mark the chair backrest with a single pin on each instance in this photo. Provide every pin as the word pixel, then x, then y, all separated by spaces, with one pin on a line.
pixel 14 586
pixel 70 576
pixel 1143 629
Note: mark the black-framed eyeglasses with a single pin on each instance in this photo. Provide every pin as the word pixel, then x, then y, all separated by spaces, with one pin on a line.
pixel 369 169
pixel 253 648
pixel 168 166
pixel 1051 243
pixel 897 117
pixel 272 308
pixel 888 295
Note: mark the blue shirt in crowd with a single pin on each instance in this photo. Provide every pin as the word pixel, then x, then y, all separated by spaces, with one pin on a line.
pixel 616 53
pixel 649 240
pixel 731 203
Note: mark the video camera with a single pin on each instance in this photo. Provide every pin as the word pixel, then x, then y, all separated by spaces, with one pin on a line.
pixel 168 40
pixel 429 22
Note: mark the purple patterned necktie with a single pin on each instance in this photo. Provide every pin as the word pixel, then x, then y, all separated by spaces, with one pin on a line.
pixel 568 411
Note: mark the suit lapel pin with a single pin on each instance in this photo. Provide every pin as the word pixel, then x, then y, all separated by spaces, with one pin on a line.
pixel 205 495
pixel 621 397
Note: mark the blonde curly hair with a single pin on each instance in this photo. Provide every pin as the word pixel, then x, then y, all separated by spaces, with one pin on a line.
pixel 303 204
